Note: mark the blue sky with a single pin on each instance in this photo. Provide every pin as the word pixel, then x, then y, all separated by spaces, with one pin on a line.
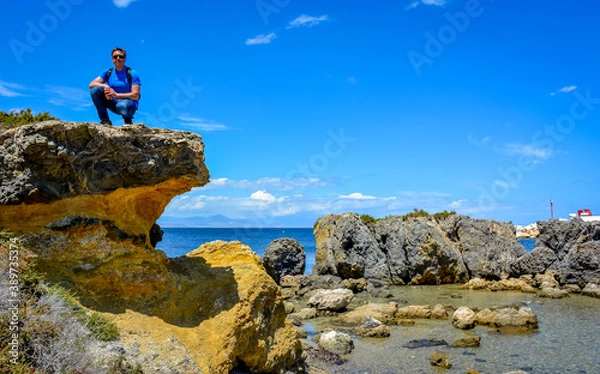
pixel 489 108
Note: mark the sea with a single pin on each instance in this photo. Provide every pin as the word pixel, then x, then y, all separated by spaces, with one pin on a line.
pixel 177 242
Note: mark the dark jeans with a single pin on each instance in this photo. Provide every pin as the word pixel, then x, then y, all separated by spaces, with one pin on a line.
pixel 123 107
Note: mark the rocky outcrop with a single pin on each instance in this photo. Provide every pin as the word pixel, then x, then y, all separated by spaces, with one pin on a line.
pixel 123 175
pixel 571 248
pixel 231 313
pixel 488 248
pixel 85 199
pixel 284 256
pixel 415 250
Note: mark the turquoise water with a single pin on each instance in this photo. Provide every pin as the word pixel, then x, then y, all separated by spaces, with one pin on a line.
pixel 179 241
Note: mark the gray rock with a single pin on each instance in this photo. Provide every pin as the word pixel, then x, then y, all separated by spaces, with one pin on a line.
pixel 571 248
pixel 284 256
pixel 346 248
pixel 423 343
pixel 433 259
pixel 535 262
pixel 488 247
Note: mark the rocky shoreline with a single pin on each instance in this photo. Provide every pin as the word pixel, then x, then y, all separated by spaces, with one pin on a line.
pixel 84 200
pixel 358 261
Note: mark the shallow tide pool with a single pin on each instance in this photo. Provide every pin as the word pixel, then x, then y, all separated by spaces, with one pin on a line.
pixel 568 339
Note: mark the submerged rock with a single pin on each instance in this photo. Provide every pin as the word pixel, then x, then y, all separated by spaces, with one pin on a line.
pixel 422 343
pixel 336 342
pixel 441 360
pixel 467 342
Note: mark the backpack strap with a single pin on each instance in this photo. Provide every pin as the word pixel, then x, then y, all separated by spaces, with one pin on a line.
pixel 127 71
pixel 108 73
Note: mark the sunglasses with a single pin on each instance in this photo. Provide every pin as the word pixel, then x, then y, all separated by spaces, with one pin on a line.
pixel 120 57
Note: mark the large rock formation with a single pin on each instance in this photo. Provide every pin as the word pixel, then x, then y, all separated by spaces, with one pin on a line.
pixel 85 199
pixel 127 175
pixel 571 248
pixel 415 250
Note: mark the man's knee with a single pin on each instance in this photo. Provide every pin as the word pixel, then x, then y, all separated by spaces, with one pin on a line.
pixel 96 91
pixel 125 107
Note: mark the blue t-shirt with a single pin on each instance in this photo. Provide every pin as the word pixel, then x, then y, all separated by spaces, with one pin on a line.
pixel 118 80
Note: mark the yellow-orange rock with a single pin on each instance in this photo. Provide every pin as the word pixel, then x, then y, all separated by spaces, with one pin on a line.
pixel 232 312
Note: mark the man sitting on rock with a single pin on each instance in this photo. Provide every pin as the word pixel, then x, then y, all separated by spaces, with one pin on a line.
pixel 117 89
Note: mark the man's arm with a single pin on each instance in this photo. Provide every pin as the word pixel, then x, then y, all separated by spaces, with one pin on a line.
pixel 98 82
pixel 133 95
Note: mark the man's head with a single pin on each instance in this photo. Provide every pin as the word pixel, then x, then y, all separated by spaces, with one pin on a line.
pixel 118 57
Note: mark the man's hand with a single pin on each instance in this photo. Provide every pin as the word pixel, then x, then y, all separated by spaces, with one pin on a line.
pixel 109 92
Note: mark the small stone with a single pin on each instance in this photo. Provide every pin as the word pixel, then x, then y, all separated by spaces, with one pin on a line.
pixel 467 342
pixel 553 293
pixel 336 342
pixel 441 360
pixel 463 318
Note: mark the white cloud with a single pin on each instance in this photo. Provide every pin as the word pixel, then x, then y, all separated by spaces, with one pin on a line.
pixel 565 89
pixel 414 4
pixel 200 124
pixel 261 39
pixel 529 150
pixel 504 184
pixel 478 142
pixel 279 184
pixel 263 196
pixel 76 98
pixel 568 88
pixel 357 196
pixel 11 89
pixel 122 3
pixel 308 21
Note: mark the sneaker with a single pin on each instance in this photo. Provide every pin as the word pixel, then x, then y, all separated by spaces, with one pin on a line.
pixel 106 123
pixel 128 121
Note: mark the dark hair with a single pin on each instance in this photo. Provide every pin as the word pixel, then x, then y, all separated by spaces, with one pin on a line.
pixel 120 50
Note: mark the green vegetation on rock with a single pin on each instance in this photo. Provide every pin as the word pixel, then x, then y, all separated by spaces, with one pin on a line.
pixel 12 119
pixel 46 326
pixel 416 213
